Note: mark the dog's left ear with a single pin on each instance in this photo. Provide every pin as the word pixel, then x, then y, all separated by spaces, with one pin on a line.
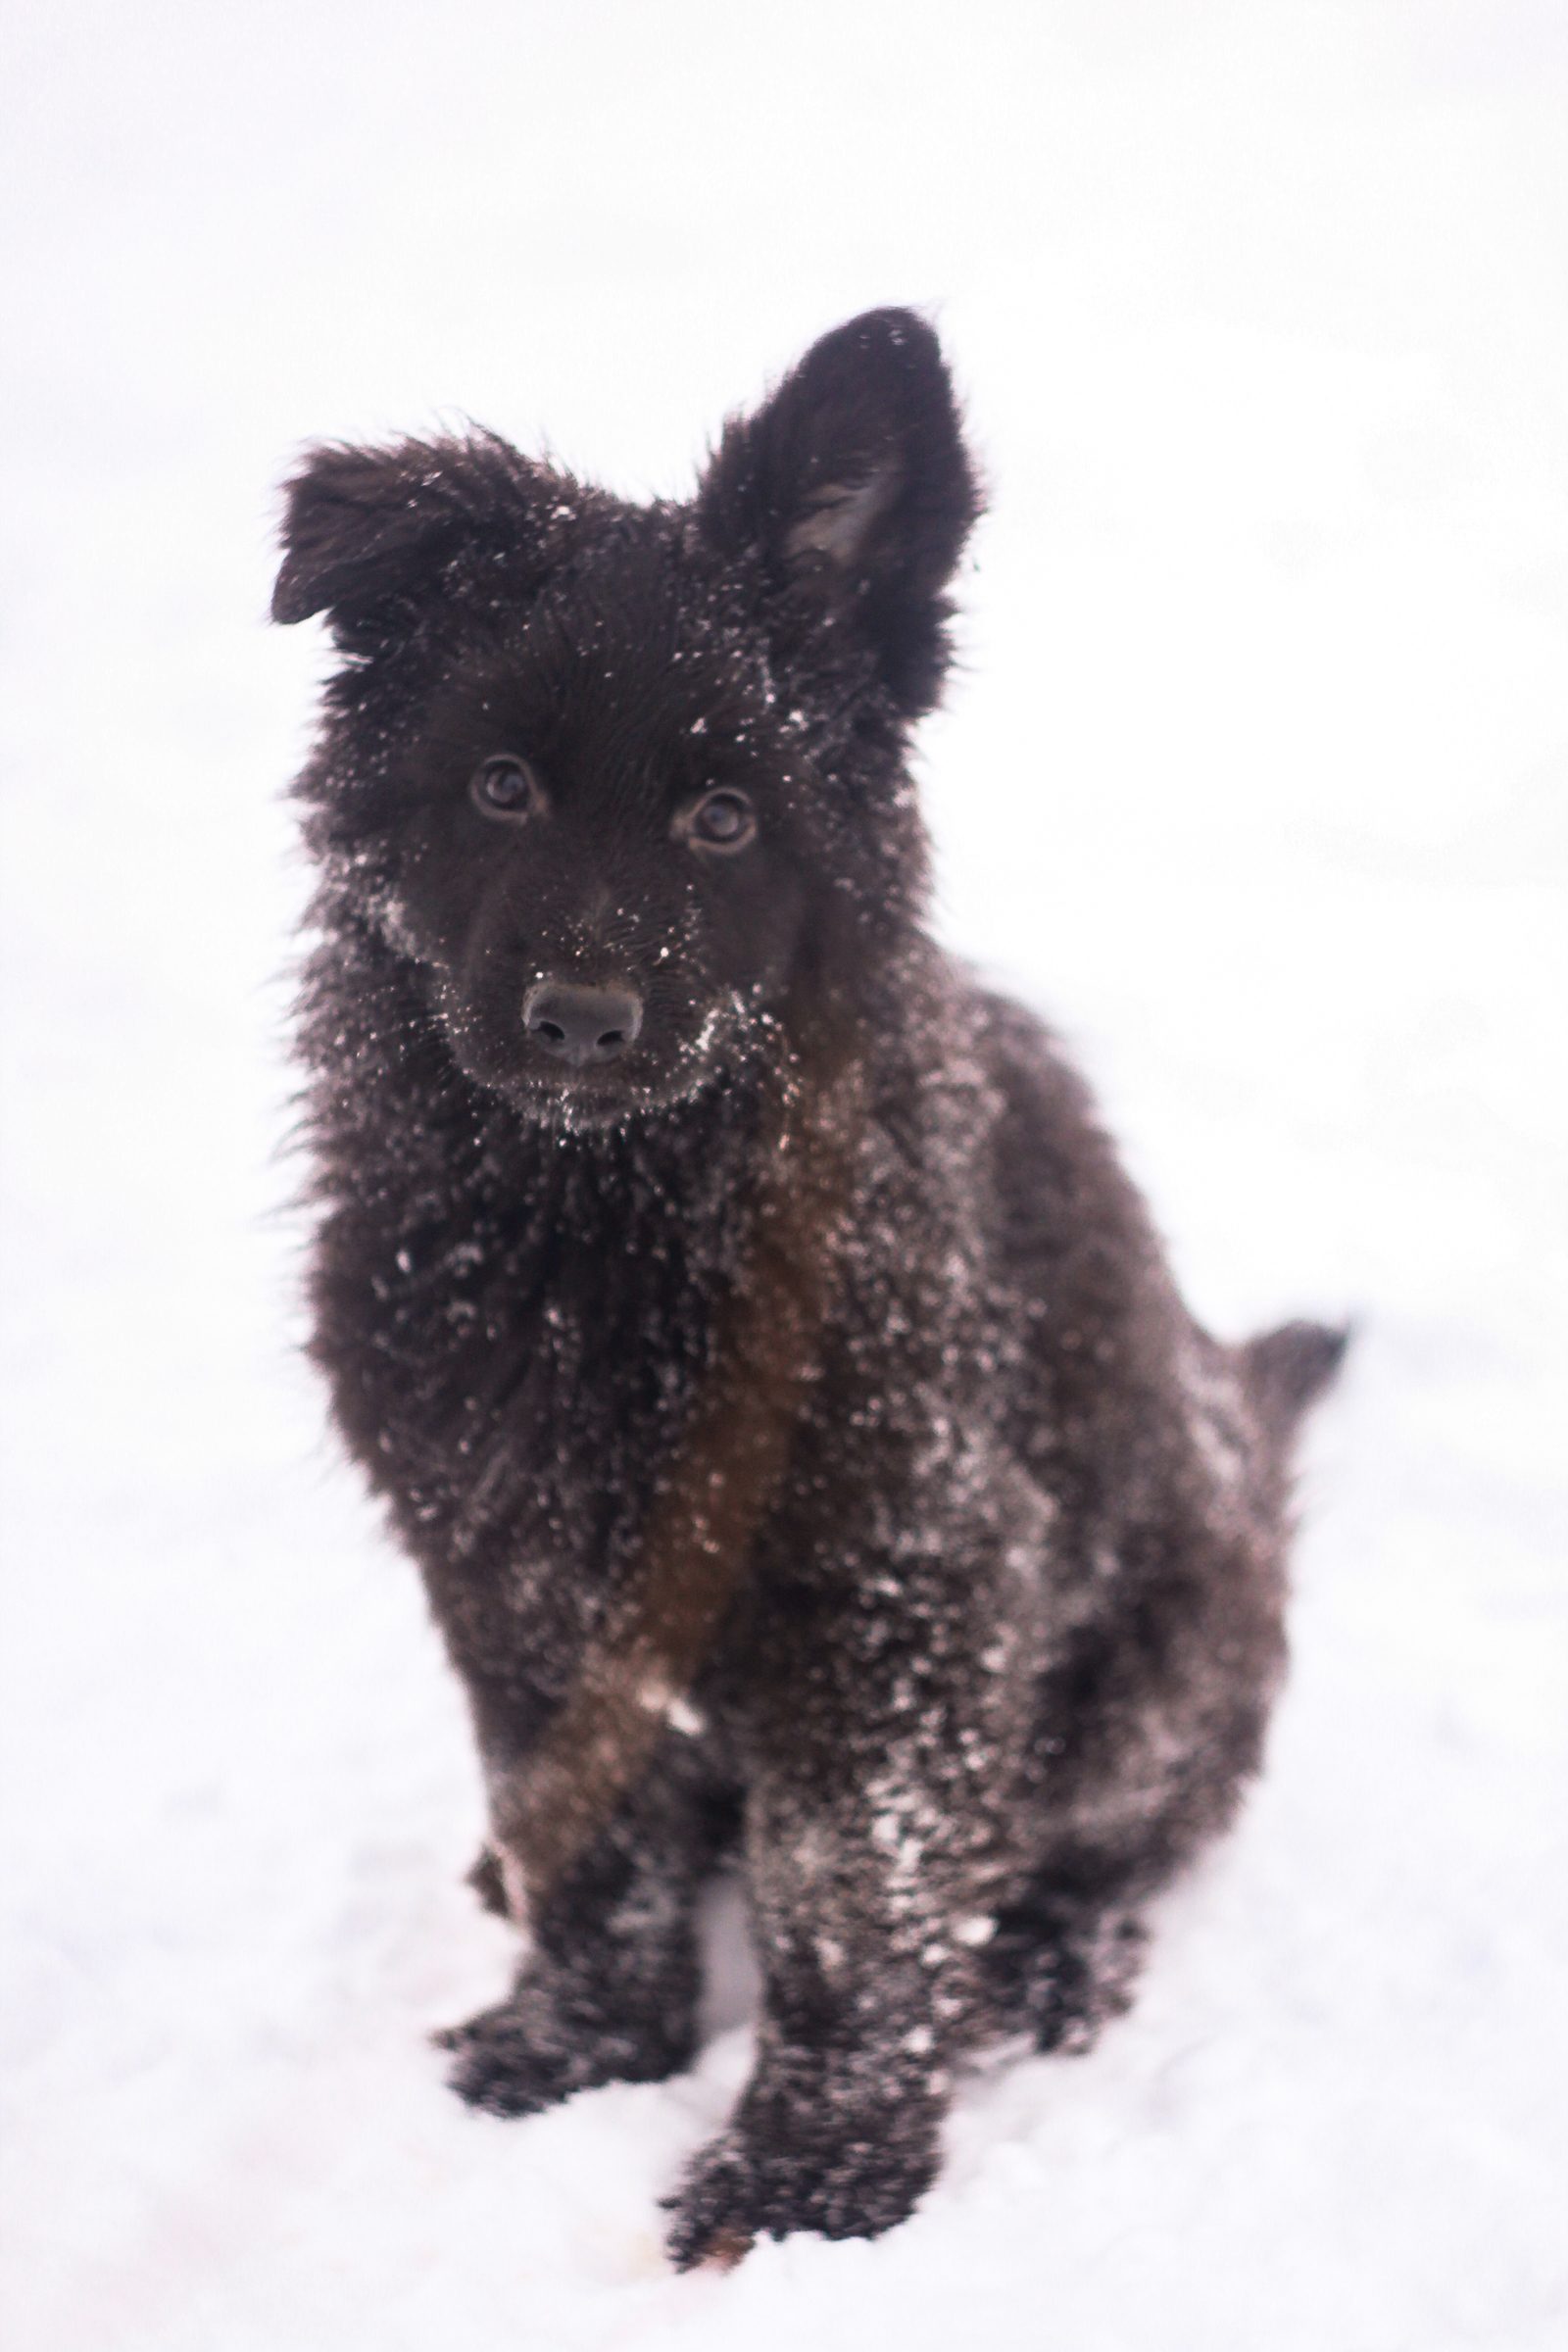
pixel 853 485
pixel 374 537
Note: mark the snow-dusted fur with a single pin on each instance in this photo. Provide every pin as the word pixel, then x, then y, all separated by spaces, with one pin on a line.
pixel 994 1623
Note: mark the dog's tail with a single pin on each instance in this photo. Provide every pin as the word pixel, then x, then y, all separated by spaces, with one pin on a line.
pixel 1288 1370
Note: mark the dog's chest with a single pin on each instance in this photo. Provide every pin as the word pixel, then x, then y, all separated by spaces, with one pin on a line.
pixel 517 1367
pixel 524 1368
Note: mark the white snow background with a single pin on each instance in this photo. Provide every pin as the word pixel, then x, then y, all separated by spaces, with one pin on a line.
pixel 1254 780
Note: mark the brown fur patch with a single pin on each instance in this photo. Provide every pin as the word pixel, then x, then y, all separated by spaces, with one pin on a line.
pixel 707 1509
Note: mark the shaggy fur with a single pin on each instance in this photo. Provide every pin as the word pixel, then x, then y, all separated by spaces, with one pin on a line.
pixel 747 1323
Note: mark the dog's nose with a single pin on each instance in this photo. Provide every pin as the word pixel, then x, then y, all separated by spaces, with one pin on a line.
pixel 581 1025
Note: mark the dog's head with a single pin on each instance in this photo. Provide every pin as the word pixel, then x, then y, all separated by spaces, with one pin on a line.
pixel 626 785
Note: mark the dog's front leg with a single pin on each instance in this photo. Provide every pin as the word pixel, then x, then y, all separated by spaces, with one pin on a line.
pixel 878 1850
pixel 609 1990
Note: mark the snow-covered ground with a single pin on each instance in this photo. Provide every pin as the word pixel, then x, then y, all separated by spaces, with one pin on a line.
pixel 1255 781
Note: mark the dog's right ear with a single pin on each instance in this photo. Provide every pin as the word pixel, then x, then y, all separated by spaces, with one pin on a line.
pixel 371 536
pixel 853 486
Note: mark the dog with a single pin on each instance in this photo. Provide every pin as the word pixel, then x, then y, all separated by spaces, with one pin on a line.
pixel 746 1321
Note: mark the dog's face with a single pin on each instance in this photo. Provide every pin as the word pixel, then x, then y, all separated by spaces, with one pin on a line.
pixel 625 786
pixel 601 835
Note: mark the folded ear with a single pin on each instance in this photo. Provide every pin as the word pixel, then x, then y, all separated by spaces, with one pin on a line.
pixel 369 535
pixel 853 484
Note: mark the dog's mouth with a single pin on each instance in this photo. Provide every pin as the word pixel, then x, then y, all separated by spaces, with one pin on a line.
pixel 590 1058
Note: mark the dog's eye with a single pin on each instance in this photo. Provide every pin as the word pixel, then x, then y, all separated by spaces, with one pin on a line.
pixel 723 821
pixel 505 787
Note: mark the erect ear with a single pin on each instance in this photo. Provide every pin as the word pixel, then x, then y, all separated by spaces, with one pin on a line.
pixel 371 535
pixel 853 482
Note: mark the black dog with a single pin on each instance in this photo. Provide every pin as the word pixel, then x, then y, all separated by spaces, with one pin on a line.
pixel 760 1351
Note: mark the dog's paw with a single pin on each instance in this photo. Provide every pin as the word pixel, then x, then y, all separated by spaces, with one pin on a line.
pixel 745 2185
pixel 523 2055
pixel 498 2067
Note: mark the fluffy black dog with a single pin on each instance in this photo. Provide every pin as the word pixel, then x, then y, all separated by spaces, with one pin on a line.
pixel 760 1349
